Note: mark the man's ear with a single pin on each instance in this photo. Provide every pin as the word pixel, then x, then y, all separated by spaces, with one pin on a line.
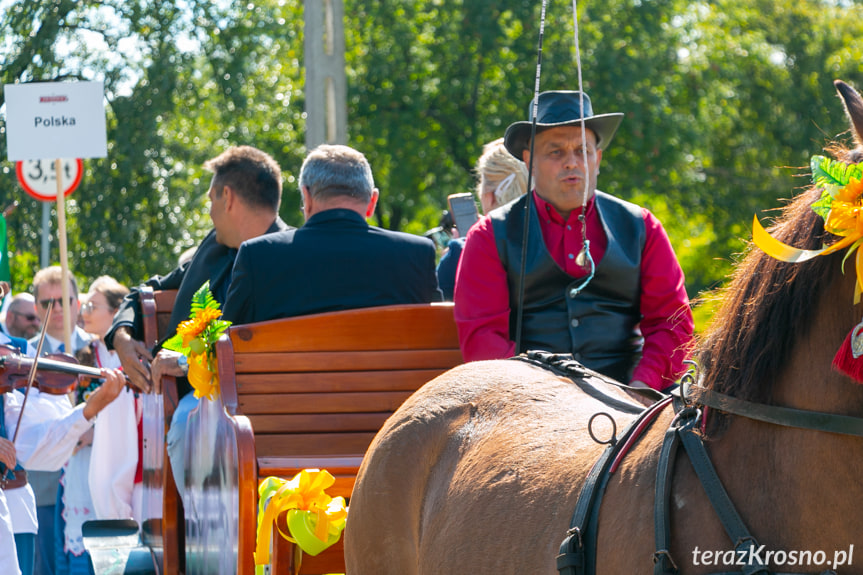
pixel 525 157
pixel 307 202
pixel 229 195
pixel 370 209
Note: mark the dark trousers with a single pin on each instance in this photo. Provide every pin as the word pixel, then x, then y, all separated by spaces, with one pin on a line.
pixel 45 541
pixel 25 545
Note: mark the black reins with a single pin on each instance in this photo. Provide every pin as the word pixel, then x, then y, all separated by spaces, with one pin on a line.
pixel 775 414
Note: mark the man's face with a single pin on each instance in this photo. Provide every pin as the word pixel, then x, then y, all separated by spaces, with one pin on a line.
pixel 54 292
pixel 559 170
pixel 217 210
pixel 22 319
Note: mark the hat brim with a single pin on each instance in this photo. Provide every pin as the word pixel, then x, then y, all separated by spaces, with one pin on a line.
pixel 604 126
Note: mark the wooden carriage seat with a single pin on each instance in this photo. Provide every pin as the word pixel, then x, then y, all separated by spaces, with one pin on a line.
pixel 312 392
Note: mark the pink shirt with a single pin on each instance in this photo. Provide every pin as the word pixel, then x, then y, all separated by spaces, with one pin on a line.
pixel 482 296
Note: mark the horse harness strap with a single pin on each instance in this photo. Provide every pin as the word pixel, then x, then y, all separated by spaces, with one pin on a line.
pixel 775 414
pixel 591 382
pixel 682 430
pixel 578 550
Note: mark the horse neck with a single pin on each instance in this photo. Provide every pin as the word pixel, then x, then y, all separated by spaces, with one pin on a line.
pixel 795 471
pixel 809 381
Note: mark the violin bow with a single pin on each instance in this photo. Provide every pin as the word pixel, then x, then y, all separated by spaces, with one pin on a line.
pixel 32 375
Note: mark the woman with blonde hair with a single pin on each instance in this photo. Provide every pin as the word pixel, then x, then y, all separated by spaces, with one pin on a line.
pixel 501 178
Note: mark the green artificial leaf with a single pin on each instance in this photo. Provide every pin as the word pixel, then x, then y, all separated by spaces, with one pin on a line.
pixel 833 175
pixel 823 204
pixel 175 343
pixel 203 299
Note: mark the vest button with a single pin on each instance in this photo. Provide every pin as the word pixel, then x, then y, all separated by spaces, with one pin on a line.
pixel 576 356
pixel 574 322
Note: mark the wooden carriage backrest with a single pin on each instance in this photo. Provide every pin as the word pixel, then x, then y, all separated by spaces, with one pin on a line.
pixel 317 388
pixel 312 392
pixel 156 308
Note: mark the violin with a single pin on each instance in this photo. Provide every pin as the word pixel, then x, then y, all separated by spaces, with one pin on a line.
pixel 56 373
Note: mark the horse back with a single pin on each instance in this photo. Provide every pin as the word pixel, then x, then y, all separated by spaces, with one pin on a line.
pixel 484 459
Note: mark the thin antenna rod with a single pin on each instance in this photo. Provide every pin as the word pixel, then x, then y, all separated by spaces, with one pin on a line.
pixel 585 257
pixel 529 197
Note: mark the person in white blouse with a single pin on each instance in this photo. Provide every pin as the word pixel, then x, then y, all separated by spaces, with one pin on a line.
pixel 115 469
pixel 49 432
pixel 99 479
pixel 8 551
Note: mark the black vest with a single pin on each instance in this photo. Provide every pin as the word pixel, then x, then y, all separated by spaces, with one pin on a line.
pixel 599 325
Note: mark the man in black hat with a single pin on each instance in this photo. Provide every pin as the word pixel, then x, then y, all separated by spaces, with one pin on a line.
pixel 617 301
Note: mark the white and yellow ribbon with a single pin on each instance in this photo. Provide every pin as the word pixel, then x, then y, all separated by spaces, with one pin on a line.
pixel 315 520
pixel 844 220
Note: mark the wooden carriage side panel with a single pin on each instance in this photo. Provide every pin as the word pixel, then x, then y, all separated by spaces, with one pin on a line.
pixel 312 392
pixel 164 529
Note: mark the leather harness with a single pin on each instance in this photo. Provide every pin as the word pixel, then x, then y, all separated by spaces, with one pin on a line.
pixel 578 550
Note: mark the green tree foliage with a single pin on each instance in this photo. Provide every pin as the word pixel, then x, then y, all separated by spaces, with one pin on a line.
pixel 724 100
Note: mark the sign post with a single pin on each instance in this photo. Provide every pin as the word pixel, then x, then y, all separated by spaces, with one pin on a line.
pixel 52 120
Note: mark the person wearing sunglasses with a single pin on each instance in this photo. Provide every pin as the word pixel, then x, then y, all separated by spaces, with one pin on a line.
pixel 48 292
pixel 21 317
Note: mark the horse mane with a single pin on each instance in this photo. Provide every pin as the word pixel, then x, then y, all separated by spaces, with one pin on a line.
pixel 768 305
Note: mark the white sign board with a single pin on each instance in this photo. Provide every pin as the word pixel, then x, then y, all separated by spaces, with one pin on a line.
pixel 48 120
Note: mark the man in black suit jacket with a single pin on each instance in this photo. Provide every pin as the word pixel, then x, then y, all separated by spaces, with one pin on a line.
pixel 245 194
pixel 336 260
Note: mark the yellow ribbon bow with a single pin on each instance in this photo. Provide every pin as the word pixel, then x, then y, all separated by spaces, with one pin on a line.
pixel 315 520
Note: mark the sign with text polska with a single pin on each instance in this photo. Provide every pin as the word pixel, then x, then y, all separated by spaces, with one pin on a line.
pixel 48 120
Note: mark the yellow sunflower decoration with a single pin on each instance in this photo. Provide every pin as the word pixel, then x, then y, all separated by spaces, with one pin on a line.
pixel 196 338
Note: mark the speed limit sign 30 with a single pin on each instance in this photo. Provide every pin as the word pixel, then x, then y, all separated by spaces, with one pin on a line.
pixel 39 178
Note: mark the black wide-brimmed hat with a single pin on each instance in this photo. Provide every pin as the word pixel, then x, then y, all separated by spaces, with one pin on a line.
pixel 562 108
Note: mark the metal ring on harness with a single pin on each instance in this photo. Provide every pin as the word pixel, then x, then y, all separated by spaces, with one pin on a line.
pixel 664 553
pixel 610 441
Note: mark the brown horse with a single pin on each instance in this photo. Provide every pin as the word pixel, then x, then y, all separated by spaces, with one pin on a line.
pixel 480 470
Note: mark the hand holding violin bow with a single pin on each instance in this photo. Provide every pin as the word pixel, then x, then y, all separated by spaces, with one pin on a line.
pixel 114 382
pixel 7 453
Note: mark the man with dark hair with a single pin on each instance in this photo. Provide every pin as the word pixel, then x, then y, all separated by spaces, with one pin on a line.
pixel 343 262
pixel 245 194
pixel 627 315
